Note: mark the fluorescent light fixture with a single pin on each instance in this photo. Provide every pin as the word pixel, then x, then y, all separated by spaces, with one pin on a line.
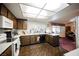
pixel 43 13
pixel 41 9
pixel 54 6
pixel 72 20
pixel 29 15
pixel 36 3
pixel 29 9
pixel 63 5
pixel 42 17
pixel 46 13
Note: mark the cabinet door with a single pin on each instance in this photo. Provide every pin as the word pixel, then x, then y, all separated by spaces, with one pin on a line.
pixel 50 39
pixel 3 10
pixel 32 39
pixel 25 40
pixel 24 25
pixel 47 38
pixel 14 23
pixel 7 52
pixel 9 15
pixel 37 39
pixel 20 24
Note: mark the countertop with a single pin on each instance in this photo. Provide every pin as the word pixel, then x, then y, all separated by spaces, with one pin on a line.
pixel 39 34
pixel 73 53
pixel 4 45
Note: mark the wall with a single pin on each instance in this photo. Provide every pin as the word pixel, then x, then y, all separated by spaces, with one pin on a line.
pixel 77 31
pixel 62 31
pixel 72 25
pixel 34 27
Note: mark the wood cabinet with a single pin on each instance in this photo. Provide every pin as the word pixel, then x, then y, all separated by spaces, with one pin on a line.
pixel 5 12
pixel 17 24
pixel 52 40
pixel 21 24
pixel 25 40
pixel 10 16
pixel 48 38
pixel 30 39
pixel 34 39
pixel 24 25
pixel 14 23
pixel 7 52
pixel 13 18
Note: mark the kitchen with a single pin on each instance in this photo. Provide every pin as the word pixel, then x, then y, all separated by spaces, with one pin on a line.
pixel 21 35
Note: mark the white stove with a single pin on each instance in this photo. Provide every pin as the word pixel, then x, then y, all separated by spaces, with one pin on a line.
pixel 16 46
pixel 2 37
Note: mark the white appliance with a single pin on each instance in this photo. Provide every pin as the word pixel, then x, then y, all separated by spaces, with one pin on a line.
pixel 5 22
pixel 2 37
pixel 16 46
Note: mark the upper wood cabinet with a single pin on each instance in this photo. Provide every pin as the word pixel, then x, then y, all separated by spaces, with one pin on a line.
pixel 5 12
pixel 24 25
pixel 9 15
pixel 17 24
pixel 13 18
pixel 21 24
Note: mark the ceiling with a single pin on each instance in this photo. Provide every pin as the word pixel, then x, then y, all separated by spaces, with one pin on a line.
pixel 43 11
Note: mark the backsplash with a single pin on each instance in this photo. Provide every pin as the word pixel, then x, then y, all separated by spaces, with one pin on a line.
pixel 34 27
pixel 1 31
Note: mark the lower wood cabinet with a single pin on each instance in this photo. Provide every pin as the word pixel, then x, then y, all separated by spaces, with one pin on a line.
pixel 30 39
pixel 25 40
pixel 34 39
pixel 48 38
pixel 7 52
pixel 52 40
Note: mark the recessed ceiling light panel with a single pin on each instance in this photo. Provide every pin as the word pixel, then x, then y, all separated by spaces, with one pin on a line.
pixel 29 9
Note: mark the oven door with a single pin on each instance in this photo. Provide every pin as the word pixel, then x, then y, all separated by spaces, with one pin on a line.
pixel 16 47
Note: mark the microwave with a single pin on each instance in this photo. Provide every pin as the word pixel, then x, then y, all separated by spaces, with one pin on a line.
pixel 5 22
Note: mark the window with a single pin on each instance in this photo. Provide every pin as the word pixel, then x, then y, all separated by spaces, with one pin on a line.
pixel 56 29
